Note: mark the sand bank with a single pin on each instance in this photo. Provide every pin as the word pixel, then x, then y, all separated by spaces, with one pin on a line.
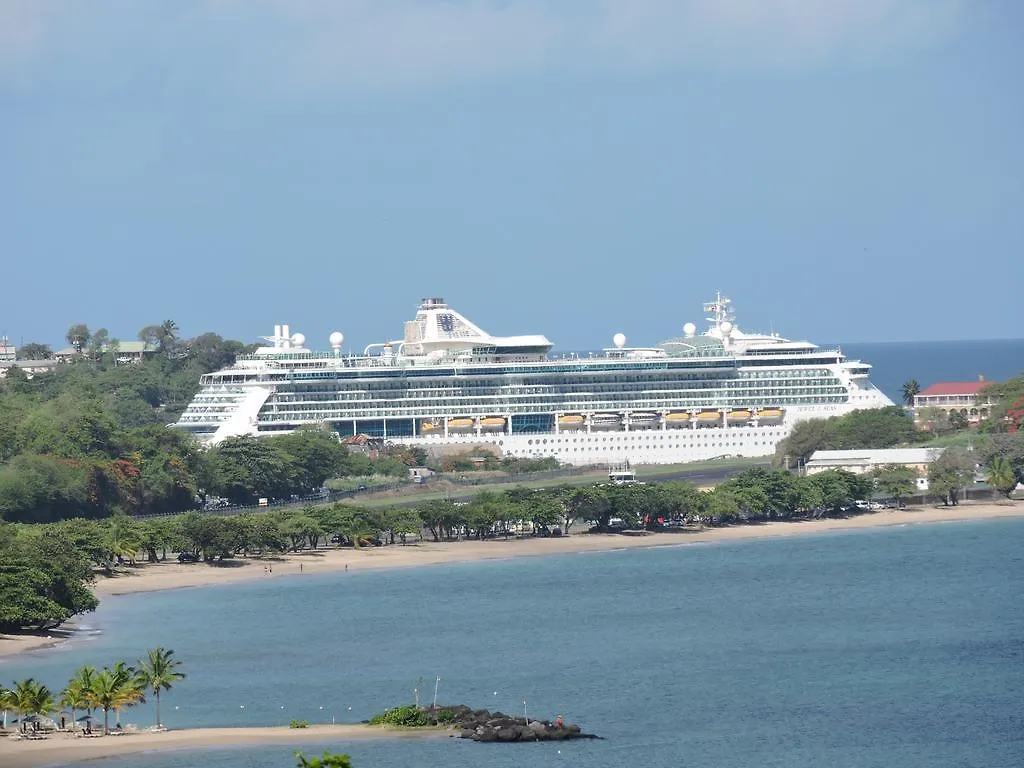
pixel 174 575
pixel 62 748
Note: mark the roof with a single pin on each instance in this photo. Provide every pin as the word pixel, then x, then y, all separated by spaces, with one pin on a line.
pixel 953 388
pixel 875 456
pixel 135 347
pixel 28 363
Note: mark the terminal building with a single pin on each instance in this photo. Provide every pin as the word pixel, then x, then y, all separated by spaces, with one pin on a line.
pixel 863 461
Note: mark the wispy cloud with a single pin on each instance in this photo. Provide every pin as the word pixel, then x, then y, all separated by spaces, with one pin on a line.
pixel 374 44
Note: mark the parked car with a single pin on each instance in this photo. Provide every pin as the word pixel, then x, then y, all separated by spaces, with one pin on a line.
pixel 188 557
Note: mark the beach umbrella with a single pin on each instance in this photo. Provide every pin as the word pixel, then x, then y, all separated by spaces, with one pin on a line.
pixel 85 719
pixel 32 719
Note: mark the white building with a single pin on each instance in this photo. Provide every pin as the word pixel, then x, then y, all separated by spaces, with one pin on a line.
pixel 862 461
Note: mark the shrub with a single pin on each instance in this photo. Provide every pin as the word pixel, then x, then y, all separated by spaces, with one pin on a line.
pixel 446 716
pixel 409 716
pixel 299 724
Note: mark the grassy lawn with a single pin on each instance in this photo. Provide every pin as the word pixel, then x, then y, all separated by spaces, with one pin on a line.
pixel 415 494
pixel 961 439
pixel 656 470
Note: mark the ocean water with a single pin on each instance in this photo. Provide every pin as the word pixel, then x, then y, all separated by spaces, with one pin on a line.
pixel 892 647
pixel 894 363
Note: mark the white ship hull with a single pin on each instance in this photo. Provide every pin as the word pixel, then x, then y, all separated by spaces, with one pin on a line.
pixel 448 385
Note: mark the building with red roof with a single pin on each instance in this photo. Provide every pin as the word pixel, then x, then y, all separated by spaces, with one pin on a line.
pixel 966 397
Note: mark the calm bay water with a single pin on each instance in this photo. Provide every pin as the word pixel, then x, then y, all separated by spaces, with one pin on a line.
pixel 893 363
pixel 894 647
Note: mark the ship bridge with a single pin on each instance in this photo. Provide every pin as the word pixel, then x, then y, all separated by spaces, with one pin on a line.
pixel 439 331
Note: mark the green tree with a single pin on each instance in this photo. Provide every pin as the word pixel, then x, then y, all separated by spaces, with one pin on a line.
pixel 78 336
pixel 895 481
pixel 1007 413
pixel 75 695
pixel 949 474
pixel 315 454
pixel 302 529
pixel 30 697
pixel 168 337
pixel 8 703
pixel 43 581
pixel 957 420
pixel 1001 476
pixel 866 428
pixel 248 468
pixel 98 343
pixel 911 389
pixel 158 672
pixel 35 351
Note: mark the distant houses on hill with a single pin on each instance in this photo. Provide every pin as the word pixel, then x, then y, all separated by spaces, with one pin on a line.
pixel 125 353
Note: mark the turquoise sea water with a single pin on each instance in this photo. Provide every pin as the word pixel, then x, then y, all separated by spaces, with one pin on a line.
pixel 892 647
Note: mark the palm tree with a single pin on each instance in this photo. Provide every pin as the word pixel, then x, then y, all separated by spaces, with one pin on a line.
pixel 1000 475
pixel 30 698
pixel 158 671
pixel 105 693
pixel 75 697
pixel 129 690
pixel 911 389
pixel 168 335
pixel 7 703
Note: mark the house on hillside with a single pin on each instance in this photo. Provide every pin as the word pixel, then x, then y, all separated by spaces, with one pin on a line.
pixel 964 397
pixel 30 367
pixel 133 351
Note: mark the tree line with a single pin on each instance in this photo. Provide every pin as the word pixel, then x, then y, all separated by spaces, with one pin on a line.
pixel 114 688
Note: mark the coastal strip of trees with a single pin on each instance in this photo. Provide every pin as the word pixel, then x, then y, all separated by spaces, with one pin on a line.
pixel 46 569
pixel 113 688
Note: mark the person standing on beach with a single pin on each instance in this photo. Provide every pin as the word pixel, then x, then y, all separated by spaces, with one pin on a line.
pixel 300 567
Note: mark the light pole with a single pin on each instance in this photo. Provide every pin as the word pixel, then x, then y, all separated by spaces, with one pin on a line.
pixel 437 682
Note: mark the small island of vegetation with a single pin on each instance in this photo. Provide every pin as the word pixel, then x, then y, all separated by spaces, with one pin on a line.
pixel 480 724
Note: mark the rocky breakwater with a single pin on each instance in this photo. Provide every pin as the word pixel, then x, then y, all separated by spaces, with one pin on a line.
pixel 484 725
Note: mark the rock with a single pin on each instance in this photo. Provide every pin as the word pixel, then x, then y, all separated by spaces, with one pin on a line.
pixel 488 734
pixel 526 733
pixel 467 733
pixel 508 734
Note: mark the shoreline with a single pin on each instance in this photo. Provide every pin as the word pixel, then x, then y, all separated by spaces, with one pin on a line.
pixel 150 577
pixel 64 749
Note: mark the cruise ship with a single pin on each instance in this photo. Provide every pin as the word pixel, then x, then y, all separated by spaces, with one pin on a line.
pixel 449 386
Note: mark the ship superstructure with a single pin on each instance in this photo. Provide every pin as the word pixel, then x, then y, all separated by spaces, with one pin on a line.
pixel 447 383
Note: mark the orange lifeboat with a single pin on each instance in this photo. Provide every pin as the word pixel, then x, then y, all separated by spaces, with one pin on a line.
pixel 736 418
pixel 709 418
pixel 677 419
pixel 461 424
pixel 492 424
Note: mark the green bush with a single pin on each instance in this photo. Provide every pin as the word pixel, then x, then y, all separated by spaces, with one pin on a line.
pixel 446 716
pixel 409 716
pixel 299 724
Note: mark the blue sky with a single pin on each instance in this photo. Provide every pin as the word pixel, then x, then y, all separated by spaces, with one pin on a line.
pixel 845 171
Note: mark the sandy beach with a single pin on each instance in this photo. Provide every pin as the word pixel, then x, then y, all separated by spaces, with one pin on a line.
pixel 174 575
pixel 64 748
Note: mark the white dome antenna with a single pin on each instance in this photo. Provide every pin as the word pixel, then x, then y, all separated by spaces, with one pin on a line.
pixel 690 330
pixel 726 327
pixel 336 338
pixel 298 339
pixel 619 340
